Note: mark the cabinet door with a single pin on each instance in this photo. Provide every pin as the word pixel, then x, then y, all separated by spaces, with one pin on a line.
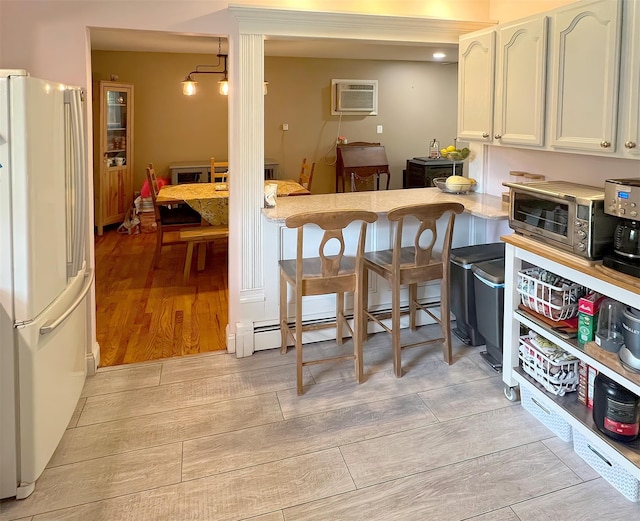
pixel 117 194
pixel 630 108
pixel 113 153
pixel 475 87
pixel 585 69
pixel 521 83
pixel 117 130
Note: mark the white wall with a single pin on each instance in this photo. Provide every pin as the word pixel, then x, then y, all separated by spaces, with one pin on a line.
pixel 49 37
pixel 588 170
pixel 506 10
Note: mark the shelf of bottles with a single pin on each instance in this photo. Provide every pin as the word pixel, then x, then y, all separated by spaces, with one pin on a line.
pixel 116 145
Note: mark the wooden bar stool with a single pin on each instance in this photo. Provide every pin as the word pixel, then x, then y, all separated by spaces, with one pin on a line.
pixel 411 265
pixel 331 271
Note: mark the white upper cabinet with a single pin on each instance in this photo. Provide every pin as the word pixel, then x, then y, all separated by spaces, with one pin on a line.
pixel 567 80
pixel 629 144
pixel 475 86
pixel 502 84
pixel 585 58
pixel 521 83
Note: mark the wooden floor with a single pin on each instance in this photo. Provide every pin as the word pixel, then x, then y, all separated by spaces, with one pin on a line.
pixel 215 438
pixel 149 314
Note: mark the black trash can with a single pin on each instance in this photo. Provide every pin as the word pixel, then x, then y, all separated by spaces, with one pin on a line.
pixel 461 288
pixel 488 281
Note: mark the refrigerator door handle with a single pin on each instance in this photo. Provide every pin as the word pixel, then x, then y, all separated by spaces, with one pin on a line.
pixel 49 325
pixel 76 173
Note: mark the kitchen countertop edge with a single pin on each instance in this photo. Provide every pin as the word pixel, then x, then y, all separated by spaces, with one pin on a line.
pixel 478 205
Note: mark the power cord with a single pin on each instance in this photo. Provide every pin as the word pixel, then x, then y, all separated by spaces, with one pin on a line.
pixel 333 146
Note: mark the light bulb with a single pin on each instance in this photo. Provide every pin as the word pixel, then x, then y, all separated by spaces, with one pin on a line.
pixel 224 87
pixel 189 86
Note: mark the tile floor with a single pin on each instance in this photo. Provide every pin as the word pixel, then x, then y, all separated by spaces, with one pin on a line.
pixel 212 437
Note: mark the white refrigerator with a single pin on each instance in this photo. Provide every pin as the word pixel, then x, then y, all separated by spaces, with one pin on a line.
pixel 44 278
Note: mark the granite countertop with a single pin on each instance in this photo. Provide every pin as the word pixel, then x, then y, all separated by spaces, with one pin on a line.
pixel 478 205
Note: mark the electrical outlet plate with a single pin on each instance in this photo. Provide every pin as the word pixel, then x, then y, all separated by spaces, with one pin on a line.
pixel 379 129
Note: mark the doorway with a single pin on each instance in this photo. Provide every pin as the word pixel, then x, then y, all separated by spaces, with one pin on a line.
pixel 144 313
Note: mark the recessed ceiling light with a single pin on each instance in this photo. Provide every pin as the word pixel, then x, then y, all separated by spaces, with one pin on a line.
pixel 439 55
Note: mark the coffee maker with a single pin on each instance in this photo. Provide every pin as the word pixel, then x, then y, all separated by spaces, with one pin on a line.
pixel 622 199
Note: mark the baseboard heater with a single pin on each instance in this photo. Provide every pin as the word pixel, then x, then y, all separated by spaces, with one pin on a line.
pixel 383 312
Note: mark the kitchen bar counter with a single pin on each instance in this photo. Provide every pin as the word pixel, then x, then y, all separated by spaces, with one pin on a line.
pixel 478 205
pixel 484 220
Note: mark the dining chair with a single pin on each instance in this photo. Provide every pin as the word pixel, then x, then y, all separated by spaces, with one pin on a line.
pixel 426 258
pixel 306 174
pixel 169 219
pixel 219 177
pixel 330 271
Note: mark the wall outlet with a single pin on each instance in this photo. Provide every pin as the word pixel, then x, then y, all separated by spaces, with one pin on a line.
pixel 379 129
pixel 285 126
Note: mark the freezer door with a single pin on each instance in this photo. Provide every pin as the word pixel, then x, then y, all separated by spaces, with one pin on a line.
pixel 38 189
pixel 51 374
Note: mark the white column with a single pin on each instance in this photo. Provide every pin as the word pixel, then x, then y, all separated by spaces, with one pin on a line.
pixel 246 97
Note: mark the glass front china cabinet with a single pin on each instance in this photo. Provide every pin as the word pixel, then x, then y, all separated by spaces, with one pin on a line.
pixel 113 152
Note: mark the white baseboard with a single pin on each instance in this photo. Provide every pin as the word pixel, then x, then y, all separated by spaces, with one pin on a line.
pixel 93 359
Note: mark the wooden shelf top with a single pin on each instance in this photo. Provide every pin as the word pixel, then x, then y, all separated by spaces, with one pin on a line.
pixel 593 269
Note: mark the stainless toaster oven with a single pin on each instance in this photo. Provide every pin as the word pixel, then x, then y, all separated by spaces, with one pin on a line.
pixel 566 215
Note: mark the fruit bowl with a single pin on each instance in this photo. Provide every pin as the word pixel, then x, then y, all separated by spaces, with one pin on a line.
pixel 453 188
pixel 455 156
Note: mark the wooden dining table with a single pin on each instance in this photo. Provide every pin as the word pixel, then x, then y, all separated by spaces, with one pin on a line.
pixel 211 200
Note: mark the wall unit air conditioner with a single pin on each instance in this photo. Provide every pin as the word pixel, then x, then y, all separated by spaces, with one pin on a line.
pixel 355 97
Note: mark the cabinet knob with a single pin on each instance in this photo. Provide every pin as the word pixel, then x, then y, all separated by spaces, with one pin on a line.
pixel 484 134
pixel 498 136
pixel 605 144
pixel 629 144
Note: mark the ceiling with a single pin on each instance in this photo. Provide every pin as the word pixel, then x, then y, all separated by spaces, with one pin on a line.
pixel 156 41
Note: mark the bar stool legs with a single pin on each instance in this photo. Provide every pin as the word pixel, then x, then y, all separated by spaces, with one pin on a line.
pixel 328 272
pixel 407 266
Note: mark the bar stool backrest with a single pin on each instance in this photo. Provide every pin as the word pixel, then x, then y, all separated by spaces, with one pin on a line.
pixel 428 216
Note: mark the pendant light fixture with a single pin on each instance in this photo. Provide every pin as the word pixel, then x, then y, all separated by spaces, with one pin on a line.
pixel 189 84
